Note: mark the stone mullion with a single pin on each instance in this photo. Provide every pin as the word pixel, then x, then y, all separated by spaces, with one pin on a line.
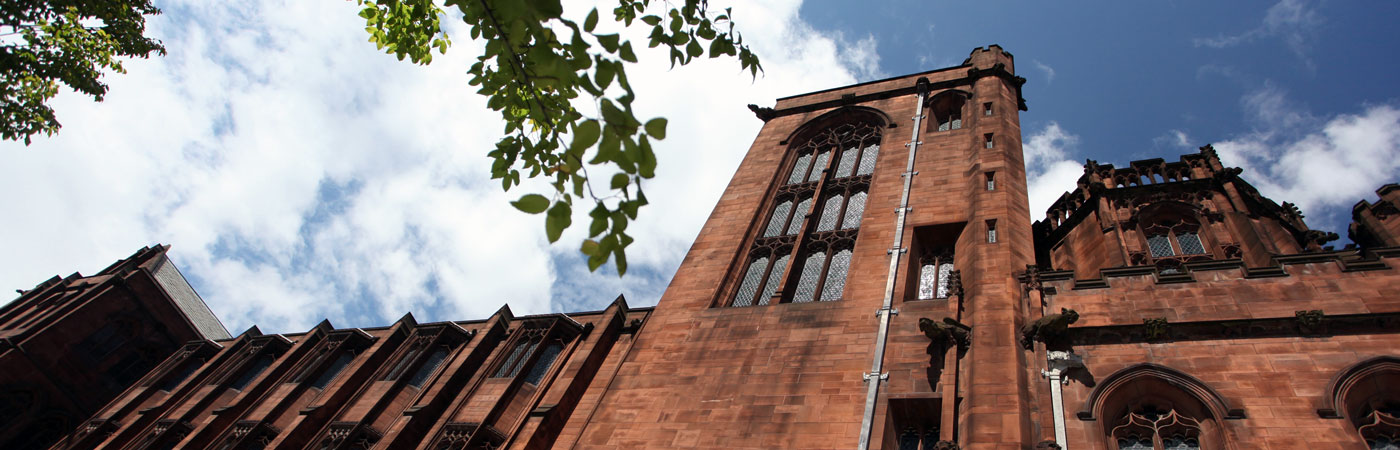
pixel 802 238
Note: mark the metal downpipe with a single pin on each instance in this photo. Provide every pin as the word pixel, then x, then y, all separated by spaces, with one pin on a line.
pixel 876 374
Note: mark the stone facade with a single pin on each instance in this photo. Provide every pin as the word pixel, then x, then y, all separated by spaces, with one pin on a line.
pixel 871 278
pixel 71 345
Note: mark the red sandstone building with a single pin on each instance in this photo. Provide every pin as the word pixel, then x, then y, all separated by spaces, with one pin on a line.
pixel 871 278
pixel 71 345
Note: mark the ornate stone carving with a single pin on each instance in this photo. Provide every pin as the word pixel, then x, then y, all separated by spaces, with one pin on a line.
pixel 1155 328
pixel 1049 329
pixel 946 334
pixel 1310 321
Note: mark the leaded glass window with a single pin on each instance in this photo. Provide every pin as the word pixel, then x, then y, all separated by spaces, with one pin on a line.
pixel 1160 246
pixel 848 162
pixel 836 276
pixel 546 359
pixel 803 208
pixel 834 204
pixel 799 169
pixel 523 347
pixel 811 275
pixel 774 278
pixel 867 159
pixel 855 207
pixel 779 219
pixel 819 165
pixel 1149 428
pixel 831 211
pixel 333 371
pixel 1190 243
pixel 752 278
pixel 1381 428
pixel 935 274
pixel 429 366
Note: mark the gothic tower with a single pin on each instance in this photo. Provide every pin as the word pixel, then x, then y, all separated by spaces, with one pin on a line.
pixel 794 321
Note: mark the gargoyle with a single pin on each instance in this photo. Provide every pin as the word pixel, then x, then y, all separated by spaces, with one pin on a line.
pixel 1048 329
pixel 945 335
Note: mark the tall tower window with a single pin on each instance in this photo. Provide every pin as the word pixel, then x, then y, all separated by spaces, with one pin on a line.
pixel 805 243
pixel 987 109
pixel 947 109
pixel 991 181
pixel 987 140
pixel 992 231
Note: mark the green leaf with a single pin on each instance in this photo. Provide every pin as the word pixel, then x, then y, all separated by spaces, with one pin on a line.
pixel 619 180
pixel 585 134
pixel 591 21
pixel 589 247
pixel 609 41
pixel 626 52
pixel 657 127
pixel 559 217
pixel 531 203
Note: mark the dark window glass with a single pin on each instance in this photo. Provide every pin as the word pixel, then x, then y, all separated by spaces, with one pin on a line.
pixel 334 370
pixel 1190 243
pixel 517 358
pixel 546 359
pixel 1160 246
pixel 182 372
pixel 251 371
pixel 429 366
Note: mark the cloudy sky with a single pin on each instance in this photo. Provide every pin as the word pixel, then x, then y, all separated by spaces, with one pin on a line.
pixel 300 174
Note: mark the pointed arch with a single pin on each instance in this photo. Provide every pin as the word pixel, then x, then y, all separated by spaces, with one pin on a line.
pixel 1344 391
pixel 1217 405
pixel 844 114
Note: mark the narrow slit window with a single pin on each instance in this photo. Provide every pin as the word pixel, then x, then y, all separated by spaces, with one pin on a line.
pixel 542 365
pixel 428 367
pixel 991 181
pixel 518 355
pixel 250 372
pixel 987 140
pixel 333 371
pixel 987 109
pixel 992 231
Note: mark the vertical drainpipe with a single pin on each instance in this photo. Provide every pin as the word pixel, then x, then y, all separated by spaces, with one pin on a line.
pixel 876 374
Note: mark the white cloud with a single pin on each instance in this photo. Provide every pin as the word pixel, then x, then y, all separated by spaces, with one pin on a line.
pixel 1292 21
pixel 301 174
pixel 1049 71
pixel 1049 171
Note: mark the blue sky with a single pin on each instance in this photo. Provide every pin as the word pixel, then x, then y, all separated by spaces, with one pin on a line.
pixel 301 175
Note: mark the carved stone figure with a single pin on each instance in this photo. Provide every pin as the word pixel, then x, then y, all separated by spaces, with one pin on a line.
pixel 945 334
pixel 1048 329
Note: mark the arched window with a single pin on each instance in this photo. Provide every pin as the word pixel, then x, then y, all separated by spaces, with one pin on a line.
pixel 1368 394
pixel 947 109
pixel 935 273
pixel 804 246
pixel 1153 407
pixel 1171 232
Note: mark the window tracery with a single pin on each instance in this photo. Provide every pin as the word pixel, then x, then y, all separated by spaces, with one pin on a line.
pixel 812 225
pixel 1152 428
pixel 935 273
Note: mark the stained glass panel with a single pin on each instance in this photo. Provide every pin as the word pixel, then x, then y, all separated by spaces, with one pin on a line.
pixel 1190 243
pixel 819 165
pixel 854 208
pixel 867 159
pixel 750 284
pixel 945 274
pixel 774 278
pixel 780 214
pixel 928 276
pixel 803 208
pixel 831 211
pixel 848 162
pixel 799 170
pixel 1160 246
pixel 811 272
pixel 836 276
